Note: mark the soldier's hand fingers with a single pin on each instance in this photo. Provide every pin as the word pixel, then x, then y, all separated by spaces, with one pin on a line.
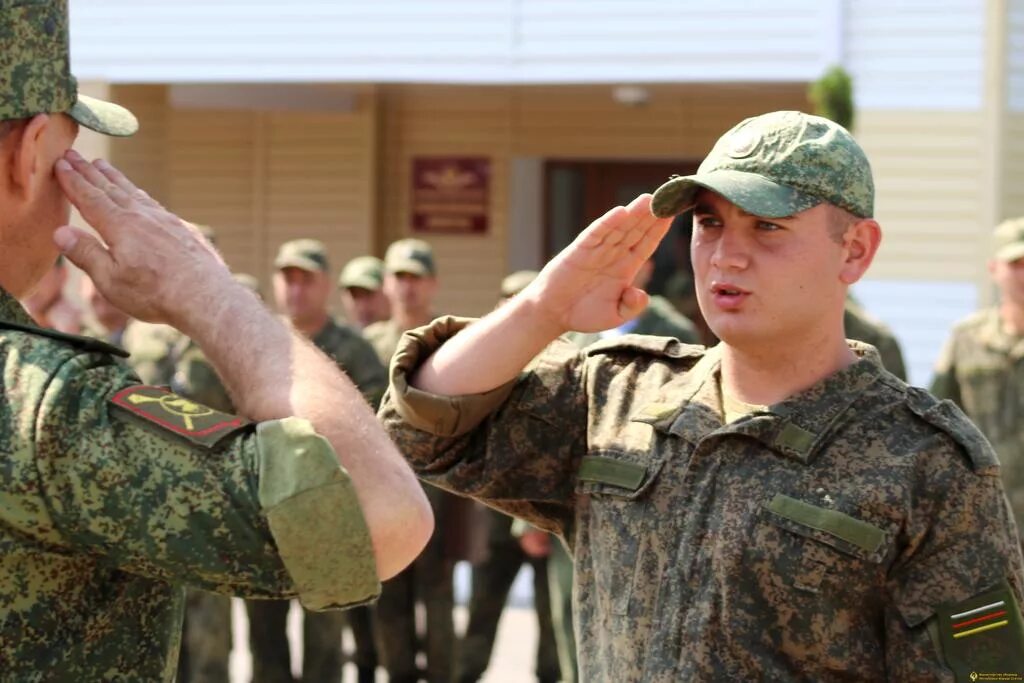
pixel 652 237
pixel 86 252
pixel 93 203
pixel 632 303
pixel 91 173
pixel 121 181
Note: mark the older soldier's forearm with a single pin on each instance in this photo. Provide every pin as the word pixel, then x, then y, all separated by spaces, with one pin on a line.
pixel 272 373
pixel 488 353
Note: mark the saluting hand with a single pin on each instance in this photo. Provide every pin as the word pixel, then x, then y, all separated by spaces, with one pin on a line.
pixel 588 287
pixel 150 264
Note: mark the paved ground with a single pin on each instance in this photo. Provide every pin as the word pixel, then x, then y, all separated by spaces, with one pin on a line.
pixel 512 661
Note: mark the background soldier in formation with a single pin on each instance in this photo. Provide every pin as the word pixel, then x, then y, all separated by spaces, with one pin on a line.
pixel 361 285
pixel 302 287
pixel 981 367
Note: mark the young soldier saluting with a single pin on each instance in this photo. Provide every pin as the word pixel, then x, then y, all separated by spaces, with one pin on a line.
pixel 776 507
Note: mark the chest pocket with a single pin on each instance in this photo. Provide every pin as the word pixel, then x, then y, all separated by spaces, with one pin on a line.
pixel 814 548
pixel 620 518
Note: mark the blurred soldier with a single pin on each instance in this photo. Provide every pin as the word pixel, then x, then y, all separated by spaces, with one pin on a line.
pixel 493 578
pixel 49 306
pixel 302 287
pixel 361 284
pixel 410 283
pixel 861 326
pixel 981 367
pixel 106 322
pixel 117 494
pixel 660 318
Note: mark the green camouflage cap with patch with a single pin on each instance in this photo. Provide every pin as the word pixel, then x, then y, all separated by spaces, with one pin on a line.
pixel 366 272
pixel 35 70
pixel 410 256
pixel 305 254
pixel 777 165
pixel 517 282
pixel 1008 240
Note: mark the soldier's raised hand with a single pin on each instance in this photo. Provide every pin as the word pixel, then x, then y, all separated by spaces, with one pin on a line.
pixel 150 264
pixel 588 287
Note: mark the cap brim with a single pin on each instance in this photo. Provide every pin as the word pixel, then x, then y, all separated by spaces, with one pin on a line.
pixel 411 266
pixel 361 282
pixel 1011 252
pixel 306 264
pixel 103 117
pixel 752 192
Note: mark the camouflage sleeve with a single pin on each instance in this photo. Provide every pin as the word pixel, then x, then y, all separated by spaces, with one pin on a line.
pixel 956 587
pixel 944 382
pixel 250 514
pixel 195 378
pixel 516 448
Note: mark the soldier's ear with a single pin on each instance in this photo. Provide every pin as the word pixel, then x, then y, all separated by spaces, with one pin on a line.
pixel 26 154
pixel 860 244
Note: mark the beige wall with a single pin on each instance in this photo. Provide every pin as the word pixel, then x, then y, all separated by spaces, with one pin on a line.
pixel 258 178
pixel 931 192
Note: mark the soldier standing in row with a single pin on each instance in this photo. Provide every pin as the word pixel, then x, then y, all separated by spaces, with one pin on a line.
pixel 302 288
pixel 981 367
pixel 361 286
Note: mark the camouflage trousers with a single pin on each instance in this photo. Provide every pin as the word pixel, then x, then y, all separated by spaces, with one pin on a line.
pixel 206 641
pixel 560 579
pixel 322 656
pixel 492 581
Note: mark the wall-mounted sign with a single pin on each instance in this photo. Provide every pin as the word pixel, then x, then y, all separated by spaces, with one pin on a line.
pixel 450 194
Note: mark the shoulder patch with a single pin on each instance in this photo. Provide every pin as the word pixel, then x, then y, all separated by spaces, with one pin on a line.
pixel 194 422
pixel 83 343
pixel 669 347
pixel 950 419
pixel 982 638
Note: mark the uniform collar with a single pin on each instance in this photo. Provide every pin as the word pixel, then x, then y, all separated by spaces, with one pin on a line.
pixel 13 312
pixel 796 428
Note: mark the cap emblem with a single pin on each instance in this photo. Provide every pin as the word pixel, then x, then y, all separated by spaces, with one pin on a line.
pixel 743 144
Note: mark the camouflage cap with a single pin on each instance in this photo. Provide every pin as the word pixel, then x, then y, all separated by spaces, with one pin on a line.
pixel 305 254
pixel 35 70
pixel 410 256
pixel 1008 240
pixel 517 282
pixel 777 165
pixel 366 272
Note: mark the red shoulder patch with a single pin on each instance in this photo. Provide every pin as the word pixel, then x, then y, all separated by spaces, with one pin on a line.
pixel 193 421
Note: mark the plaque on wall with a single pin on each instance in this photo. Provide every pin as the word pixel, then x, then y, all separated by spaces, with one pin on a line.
pixel 450 194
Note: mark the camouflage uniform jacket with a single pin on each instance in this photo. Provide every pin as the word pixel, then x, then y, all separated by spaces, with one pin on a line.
pixel 982 370
pixel 862 327
pixel 660 319
pixel 829 538
pixel 114 495
pixel 384 336
pixel 354 355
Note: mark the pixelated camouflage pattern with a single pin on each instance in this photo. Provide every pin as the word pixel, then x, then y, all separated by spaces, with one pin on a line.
pixel 859 325
pixel 659 319
pixel 355 356
pixel 35 69
pixel 103 519
pixel 777 165
pixel 683 571
pixel 981 369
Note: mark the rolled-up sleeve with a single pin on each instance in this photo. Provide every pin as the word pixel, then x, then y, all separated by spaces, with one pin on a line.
pixel 311 504
pixel 516 448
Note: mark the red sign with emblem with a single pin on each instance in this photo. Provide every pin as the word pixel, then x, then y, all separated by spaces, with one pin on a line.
pixel 450 194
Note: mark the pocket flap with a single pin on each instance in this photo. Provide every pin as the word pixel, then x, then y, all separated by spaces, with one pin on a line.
pixel 602 470
pixel 858 533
